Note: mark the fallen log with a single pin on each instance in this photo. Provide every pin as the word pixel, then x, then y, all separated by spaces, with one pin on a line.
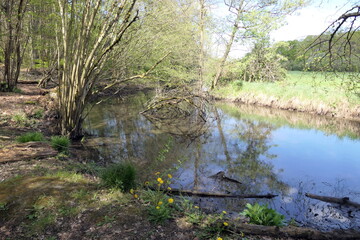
pixel 217 195
pixel 342 201
pixel 26 151
pixel 292 232
pixel 221 176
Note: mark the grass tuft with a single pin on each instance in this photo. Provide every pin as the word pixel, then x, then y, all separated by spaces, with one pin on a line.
pixel 60 143
pixel 121 176
pixel 30 137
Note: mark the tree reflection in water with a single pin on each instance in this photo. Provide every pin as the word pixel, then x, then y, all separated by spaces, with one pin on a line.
pixel 240 143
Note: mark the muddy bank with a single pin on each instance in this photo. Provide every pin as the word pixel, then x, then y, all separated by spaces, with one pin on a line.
pixel 340 110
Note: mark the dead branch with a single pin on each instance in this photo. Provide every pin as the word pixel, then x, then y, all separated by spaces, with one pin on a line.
pixel 342 201
pixel 292 232
pixel 178 112
pixel 216 195
pixel 140 76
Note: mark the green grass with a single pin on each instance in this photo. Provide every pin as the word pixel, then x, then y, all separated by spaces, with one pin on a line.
pixel 60 143
pixel 121 176
pixel 30 137
pixel 304 86
pixel 20 119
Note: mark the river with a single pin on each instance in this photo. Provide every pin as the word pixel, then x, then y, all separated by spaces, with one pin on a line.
pixel 267 150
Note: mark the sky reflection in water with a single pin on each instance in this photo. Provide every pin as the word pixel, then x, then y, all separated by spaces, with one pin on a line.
pixel 288 157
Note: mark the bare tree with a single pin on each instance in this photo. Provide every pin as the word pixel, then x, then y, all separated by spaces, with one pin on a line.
pixel 90 29
pixel 337 47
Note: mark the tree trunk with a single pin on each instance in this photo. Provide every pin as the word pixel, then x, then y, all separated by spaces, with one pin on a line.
pixel 202 43
pixel 86 41
pixel 14 14
pixel 228 46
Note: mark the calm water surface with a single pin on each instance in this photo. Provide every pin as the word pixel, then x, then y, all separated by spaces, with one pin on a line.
pixel 268 151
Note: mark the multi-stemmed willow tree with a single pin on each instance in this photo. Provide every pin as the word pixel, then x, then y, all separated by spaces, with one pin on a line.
pixel 90 30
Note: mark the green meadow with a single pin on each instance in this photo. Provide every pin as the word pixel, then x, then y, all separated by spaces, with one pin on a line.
pixel 306 87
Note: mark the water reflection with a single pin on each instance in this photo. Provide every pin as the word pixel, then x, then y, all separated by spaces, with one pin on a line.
pixel 272 152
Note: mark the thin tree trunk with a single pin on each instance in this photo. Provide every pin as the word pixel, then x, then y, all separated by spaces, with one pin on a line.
pixel 13 41
pixel 82 59
pixel 228 46
pixel 202 39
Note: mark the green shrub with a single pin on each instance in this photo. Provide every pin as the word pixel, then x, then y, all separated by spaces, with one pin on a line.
pixel 121 176
pixel 30 137
pixel 262 215
pixel 60 143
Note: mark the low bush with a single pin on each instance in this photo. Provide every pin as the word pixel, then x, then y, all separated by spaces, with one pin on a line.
pixel 121 176
pixel 30 137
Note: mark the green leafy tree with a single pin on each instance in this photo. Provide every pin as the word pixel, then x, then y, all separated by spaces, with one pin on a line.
pixel 263 64
pixel 253 19
pixel 292 51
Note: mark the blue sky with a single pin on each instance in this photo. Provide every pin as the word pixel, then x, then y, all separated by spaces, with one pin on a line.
pixel 312 20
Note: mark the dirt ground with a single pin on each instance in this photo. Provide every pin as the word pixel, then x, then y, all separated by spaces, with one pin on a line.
pixel 128 225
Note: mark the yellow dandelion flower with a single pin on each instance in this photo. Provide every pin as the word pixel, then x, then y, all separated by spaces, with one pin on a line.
pixel 226 224
pixel 157 207
pixel 169 176
pixel 224 212
pixel 136 196
pixel 159 203
pixel 160 180
pixel 170 200
pixel 219 238
pixel 132 191
pixel 169 188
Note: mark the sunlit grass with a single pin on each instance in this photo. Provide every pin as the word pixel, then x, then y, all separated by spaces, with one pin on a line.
pixel 304 86
pixel 30 136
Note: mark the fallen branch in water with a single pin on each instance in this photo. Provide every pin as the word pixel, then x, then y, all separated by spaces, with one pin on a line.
pixel 343 201
pixel 292 232
pixel 216 195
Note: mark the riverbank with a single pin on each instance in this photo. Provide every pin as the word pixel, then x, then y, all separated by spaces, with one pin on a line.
pixel 61 197
pixel 303 92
